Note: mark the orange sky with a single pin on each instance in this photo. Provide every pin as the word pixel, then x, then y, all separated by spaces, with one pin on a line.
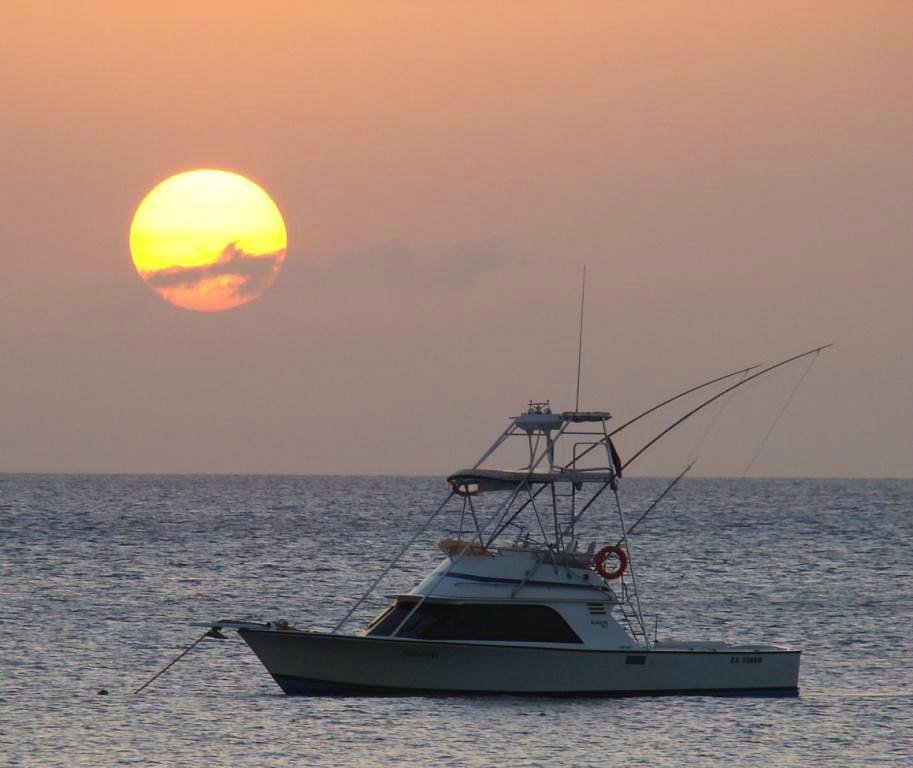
pixel 738 178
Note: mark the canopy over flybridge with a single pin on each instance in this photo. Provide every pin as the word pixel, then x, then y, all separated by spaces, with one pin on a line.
pixel 468 482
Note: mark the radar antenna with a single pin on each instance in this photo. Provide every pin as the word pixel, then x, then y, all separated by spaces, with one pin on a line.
pixel 580 340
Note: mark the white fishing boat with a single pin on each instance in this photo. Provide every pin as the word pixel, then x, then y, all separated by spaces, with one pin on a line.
pixel 519 605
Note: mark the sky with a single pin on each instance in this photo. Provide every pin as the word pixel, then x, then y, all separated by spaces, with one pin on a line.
pixel 736 177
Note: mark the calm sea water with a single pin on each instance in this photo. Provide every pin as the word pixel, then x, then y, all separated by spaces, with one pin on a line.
pixel 104 579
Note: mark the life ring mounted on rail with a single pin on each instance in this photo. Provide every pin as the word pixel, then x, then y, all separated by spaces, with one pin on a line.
pixel 600 560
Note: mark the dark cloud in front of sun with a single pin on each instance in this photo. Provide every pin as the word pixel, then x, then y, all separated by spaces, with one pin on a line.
pixel 255 270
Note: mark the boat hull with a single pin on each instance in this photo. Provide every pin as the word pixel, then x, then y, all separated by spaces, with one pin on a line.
pixel 312 663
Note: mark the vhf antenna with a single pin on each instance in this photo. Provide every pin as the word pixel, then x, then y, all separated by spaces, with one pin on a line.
pixel 580 340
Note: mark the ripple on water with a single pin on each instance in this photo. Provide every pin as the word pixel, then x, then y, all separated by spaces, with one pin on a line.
pixel 103 578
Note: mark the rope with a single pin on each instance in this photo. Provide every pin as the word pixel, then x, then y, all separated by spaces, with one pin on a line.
pixel 712 424
pixel 170 664
pixel 779 416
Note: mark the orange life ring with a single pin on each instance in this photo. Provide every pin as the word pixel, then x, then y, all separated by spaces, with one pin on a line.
pixel 602 554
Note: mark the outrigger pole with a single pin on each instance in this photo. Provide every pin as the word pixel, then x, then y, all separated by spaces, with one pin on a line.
pixel 680 395
pixel 670 400
pixel 656 502
pixel 395 560
pixel 717 396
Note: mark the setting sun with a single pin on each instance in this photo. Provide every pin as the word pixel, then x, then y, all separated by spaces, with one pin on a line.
pixel 208 240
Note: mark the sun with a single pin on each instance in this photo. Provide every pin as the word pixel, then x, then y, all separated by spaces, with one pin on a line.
pixel 208 240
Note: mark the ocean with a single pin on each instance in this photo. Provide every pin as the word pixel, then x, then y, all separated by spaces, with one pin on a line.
pixel 105 579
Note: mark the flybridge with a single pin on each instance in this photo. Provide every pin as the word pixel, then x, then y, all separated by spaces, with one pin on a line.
pixel 543 430
pixel 468 482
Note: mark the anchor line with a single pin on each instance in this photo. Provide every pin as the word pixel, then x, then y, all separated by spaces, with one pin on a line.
pixel 212 632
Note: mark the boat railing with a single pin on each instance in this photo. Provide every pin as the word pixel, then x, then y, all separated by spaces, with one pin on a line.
pixel 575 456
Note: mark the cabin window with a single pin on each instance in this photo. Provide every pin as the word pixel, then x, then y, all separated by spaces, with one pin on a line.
pixel 449 621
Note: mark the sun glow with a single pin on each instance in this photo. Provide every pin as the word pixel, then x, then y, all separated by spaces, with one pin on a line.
pixel 208 240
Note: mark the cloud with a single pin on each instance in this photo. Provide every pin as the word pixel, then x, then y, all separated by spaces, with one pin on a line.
pixel 456 266
pixel 468 260
pixel 255 270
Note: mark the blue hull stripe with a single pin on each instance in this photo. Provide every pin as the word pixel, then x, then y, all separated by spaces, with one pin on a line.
pixel 300 686
pixel 557 648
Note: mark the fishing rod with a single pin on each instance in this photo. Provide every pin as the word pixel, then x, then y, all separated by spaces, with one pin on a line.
pixel 656 502
pixel 680 395
pixel 717 396
pixel 664 403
